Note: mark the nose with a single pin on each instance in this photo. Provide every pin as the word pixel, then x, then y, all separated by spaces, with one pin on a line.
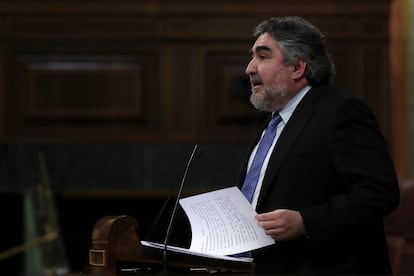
pixel 251 67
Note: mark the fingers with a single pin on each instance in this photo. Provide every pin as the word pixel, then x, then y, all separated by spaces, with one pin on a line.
pixel 268 216
pixel 272 219
pixel 275 229
pixel 277 224
pixel 277 234
pixel 281 224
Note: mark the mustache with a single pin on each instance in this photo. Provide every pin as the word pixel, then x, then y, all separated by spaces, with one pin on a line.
pixel 255 79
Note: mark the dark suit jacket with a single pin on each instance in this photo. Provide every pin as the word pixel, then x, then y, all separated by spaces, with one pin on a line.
pixel 331 164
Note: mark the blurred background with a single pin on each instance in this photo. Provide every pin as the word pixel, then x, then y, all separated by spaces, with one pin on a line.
pixel 102 102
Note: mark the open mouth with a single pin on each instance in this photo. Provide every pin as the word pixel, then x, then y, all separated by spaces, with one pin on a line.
pixel 255 84
pixel 255 81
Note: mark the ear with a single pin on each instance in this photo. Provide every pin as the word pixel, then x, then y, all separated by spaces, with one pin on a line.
pixel 299 69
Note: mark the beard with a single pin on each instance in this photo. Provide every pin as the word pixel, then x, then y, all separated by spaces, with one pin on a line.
pixel 270 99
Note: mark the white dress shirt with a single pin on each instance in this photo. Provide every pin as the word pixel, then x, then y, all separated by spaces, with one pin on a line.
pixel 285 113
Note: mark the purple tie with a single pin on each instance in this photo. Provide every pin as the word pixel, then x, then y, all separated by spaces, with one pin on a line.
pixel 252 176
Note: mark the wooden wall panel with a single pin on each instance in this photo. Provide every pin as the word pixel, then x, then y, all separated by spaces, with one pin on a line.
pixel 375 83
pixel 181 92
pixel 76 25
pixel 78 93
pixel 228 114
pixel 163 71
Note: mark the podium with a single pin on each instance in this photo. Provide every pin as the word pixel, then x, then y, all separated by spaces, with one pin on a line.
pixel 115 243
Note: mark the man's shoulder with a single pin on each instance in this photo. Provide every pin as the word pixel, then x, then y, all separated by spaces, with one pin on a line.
pixel 333 93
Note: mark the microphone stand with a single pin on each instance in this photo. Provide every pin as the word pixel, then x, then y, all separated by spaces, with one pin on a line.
pixel 174 212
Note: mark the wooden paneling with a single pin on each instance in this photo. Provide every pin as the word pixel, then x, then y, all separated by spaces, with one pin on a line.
pixel 161 70
pixel 227 111
pixel 67 93
pixel 399 90
pixel 180 75
pixel 375 87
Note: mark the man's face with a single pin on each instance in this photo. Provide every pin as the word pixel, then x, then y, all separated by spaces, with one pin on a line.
pixel 271 81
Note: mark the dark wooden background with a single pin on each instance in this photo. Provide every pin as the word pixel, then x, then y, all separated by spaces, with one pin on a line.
pixel 116 94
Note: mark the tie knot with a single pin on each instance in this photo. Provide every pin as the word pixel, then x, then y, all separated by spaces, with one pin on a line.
pixel 275 120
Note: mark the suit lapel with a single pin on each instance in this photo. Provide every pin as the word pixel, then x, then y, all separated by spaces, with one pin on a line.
pixel 287 139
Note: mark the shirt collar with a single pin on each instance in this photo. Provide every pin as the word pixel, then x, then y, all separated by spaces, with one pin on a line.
pixel 287 111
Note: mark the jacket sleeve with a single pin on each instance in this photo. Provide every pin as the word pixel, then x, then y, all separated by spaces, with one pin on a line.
pixel 360 156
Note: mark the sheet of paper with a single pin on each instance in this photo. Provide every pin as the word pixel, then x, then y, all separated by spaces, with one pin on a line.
pixel 222 223
pixel 187 251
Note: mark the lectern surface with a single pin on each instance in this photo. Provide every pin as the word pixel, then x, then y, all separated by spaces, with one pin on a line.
pixel 116 250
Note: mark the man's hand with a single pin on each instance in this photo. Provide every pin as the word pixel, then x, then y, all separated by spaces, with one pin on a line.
pixel 282 224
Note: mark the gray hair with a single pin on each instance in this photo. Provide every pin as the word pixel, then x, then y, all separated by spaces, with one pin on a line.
pixel 299 39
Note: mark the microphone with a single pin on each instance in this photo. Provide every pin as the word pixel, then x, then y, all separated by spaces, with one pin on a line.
pixel 174 212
